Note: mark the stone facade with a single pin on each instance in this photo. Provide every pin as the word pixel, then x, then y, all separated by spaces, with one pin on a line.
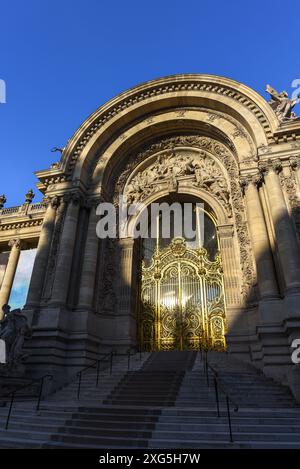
pixel 202 136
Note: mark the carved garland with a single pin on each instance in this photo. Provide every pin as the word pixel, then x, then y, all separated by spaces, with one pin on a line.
pixel 290 185
pixel 108 299
pixel 52 260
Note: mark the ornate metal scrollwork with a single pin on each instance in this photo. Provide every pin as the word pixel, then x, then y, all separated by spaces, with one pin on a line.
pixel 182 300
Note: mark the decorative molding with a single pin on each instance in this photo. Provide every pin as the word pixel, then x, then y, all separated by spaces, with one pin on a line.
pixel 158 90
pixel 19 225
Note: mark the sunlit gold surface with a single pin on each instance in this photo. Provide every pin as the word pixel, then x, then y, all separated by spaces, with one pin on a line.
pixel 182 300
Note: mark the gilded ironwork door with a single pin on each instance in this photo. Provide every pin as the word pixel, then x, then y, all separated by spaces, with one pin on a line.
pixel 182 300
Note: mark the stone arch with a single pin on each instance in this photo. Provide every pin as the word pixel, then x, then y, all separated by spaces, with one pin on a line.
pixel 231 216
pixel 214 205
pixel 137 106
pixel 222 102
pixel 222 129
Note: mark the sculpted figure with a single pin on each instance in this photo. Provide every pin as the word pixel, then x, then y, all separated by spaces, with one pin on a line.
pixel 14 331
pixel 7 328
pixel 282 104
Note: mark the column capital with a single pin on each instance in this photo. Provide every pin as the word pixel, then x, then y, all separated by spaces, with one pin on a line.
pixel 227 231
pixel 126 242
pixel 91 203
pixel 72 197
pixel 15 242
pixel 270 165
pixel 251 179
pixel 52 201
pixel 294 161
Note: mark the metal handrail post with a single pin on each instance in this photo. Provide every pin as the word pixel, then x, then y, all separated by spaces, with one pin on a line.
pixel 217 396
pixel 128 360
pixel 40 394
pixel 9 410
pixel 111 362
pixel 206 369
pixel 229 419
pixel 79 384
pixel 50 377
pixel 98 371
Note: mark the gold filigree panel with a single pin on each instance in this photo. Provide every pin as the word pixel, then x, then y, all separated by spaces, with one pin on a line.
pixel 182 300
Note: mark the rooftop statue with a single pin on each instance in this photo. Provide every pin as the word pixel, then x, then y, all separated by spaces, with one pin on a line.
pixel 281 104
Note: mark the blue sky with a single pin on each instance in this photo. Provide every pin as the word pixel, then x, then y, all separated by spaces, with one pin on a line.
pixel 19 290
pixel 63 59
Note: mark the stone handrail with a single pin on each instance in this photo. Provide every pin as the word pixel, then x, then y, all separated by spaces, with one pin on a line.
pixel 22 210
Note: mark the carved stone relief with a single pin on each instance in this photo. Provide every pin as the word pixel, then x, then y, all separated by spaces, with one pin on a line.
pixel 170 167
pixel 60 217
pixel 207 171
pixel 107 294
pixel 289 183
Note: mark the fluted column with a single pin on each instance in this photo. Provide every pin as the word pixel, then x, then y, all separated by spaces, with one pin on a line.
pixel 126 274
pixel 10 272
pixel 42 255
pixel 286 239
pixel 266 279
pixel 65 252
pixel 230 265
pixel 89 266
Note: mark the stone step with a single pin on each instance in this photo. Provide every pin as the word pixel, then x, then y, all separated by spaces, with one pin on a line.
pixel 160 404
pixel 133 429
pixel 206 444
pixel 136 419
pixel 7 442
pixel 103 442
pixel 221 435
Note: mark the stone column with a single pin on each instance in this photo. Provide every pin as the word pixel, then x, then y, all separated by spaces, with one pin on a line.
pixel 89 266
pixel 65 252
pixel 230 265
pixel 10 272
pixel 127 289
pixel 266 279
pixel 126 266
pixel 286 239
pixel 42 255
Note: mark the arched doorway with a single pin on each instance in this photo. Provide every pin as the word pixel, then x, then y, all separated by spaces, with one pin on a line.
pixel 181 294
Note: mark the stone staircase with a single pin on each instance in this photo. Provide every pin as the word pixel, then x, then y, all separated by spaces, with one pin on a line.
pixel 163 401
